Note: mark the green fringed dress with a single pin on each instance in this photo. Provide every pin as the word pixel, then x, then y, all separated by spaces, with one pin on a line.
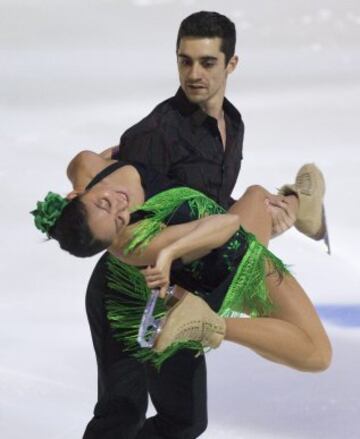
pixel 231 278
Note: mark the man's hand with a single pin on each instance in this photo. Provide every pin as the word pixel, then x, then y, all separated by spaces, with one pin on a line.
pixel 283 217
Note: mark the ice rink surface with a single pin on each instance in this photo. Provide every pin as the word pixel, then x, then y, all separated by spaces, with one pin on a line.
pixel 75 75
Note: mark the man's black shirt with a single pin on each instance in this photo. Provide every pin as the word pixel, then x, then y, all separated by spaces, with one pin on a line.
pixel 180 140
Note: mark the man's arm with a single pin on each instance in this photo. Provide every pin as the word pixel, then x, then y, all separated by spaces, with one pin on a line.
pixel 147 143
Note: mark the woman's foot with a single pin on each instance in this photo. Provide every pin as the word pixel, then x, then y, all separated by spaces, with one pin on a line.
pixel 191 319
pixel 309 187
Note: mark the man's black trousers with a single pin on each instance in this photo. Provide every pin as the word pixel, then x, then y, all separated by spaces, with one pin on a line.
pixel 178 390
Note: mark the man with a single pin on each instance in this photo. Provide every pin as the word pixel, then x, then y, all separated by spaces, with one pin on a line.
pixel 195 138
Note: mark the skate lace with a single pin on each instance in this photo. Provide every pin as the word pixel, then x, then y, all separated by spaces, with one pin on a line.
pixel 303 183
pixel 198 331
pixel 193 332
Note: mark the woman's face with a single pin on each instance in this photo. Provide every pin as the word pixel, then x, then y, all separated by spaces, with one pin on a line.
pixel 108 210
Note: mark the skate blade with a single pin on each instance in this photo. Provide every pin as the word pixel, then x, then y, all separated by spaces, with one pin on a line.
pixel 150 334
pixel 326 234
pixel 149 326
pixel 323 234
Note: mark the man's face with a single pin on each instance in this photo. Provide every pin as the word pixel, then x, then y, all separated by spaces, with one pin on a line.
pixel 202 69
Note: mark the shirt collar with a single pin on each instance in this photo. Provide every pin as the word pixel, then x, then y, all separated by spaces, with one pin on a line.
pixel 198 116
pixel 231 111
pixel 187 108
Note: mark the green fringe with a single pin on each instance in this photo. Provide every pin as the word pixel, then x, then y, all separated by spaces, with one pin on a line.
pixel 247 291
pixel 124 314
pixel 162 206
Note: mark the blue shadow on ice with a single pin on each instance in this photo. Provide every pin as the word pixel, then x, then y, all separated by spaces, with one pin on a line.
pixel 340 315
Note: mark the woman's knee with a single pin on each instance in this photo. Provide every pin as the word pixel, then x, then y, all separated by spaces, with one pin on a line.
pixel 257 191
pixel 324 357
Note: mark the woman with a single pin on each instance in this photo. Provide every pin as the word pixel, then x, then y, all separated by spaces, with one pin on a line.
pixel 179 232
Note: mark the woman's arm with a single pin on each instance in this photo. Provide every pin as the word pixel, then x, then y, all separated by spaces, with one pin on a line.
pixel 108 153
pixel 188 241
pixel 209 233
pixel 83 167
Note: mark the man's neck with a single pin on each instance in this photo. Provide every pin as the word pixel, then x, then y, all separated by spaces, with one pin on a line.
pixel 214 108
pixel 217 112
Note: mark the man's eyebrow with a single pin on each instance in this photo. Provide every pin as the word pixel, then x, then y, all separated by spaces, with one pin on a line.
pixel 202 58
pixel 183 55
pixel 209 58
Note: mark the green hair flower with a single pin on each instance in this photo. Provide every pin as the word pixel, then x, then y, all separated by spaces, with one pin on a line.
pixel 48 211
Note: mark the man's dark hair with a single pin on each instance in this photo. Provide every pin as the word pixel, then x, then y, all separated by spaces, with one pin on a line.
pixel 72 231
pixel 205 24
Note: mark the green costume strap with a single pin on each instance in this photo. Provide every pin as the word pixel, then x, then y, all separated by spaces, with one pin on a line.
pixel 247 291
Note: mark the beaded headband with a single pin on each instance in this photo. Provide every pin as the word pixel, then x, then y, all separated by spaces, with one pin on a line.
pixel 48 211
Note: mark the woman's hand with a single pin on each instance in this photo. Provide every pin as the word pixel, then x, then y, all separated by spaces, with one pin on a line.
pixel 159 275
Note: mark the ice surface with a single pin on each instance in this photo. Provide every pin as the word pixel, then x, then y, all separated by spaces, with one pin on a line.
pixel 76 75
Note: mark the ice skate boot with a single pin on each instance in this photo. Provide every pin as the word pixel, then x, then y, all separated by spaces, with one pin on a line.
pixel 191 319
pixel 309 187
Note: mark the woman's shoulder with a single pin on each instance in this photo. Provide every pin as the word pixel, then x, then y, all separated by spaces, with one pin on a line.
pixel 152 181
pixel 104 168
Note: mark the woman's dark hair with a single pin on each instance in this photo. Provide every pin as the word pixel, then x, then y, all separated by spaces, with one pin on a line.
pixel 205 24
pixel 72 231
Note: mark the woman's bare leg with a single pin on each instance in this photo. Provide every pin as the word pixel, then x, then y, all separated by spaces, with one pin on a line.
pixel 292 335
